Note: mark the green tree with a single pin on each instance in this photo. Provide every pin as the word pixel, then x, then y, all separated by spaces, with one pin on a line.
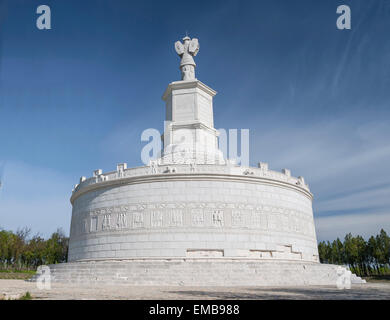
pixel 382 250
pixel 56 248
pixel 18 251
pixel 370 257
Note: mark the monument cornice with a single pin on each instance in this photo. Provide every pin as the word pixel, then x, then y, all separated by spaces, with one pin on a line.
pixel 204 259
pixel 188 84
pixel 164 177
pixel 193 124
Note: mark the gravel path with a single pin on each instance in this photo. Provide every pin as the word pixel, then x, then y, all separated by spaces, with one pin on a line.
pixel 15 288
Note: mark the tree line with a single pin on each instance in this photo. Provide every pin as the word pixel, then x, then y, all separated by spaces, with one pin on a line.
pixel 18 251
pixel 365 258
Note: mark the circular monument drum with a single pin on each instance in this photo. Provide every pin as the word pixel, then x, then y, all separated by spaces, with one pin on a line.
pixel 187 211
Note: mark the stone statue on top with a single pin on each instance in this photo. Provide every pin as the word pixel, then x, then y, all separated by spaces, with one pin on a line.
pixel 187 50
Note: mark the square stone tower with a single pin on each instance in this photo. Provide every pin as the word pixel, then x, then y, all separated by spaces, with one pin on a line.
pixel 189 134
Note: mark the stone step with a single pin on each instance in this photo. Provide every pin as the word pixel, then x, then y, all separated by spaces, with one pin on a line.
pixel 194 273
pixel 357 280
pixel 173 273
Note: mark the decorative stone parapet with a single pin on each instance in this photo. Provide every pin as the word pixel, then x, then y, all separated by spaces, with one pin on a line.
pixel 191 169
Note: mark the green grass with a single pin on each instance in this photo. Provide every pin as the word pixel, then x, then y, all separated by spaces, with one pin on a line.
pixel 16 274
pixel 32 272
pixel 27 296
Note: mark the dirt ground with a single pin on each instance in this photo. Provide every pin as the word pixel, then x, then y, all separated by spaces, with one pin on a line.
pixel 17 288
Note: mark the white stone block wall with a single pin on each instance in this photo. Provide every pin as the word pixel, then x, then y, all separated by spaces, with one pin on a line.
pixel 195 216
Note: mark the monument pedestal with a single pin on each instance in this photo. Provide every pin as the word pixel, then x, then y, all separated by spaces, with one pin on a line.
pixel 196 272
pixel 189 135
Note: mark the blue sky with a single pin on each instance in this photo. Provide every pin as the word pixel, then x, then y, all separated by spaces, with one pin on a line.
pixel 315 98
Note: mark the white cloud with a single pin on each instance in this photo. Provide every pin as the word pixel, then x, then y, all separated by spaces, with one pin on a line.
pixel 357 200
pixel 344 164
pixel 366 225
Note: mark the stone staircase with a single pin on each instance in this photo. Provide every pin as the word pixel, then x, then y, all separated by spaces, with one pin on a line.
pixel 357 280
pixel 187 272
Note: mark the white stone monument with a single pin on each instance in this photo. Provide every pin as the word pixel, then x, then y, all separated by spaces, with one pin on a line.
pixel 191 217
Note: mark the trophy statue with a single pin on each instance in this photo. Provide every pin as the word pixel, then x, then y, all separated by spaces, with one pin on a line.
pixel 187 50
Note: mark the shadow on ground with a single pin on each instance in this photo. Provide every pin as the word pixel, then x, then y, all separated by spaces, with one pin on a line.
pixel 384 278
pixel 312 293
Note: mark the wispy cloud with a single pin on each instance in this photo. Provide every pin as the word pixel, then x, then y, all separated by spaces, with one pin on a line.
pixel 369 198
pixel 344 164
pixel 366 225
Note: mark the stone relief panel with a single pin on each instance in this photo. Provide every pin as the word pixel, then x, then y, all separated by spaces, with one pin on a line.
pixel 217 218
pixel 106 224
pixel 156 219
pixel 160 215
pixel 175 218
pixel 121 222
pixel 94 224
pixel 273 221
pixel 197 217
pixel 259 220
pixel 284 222
pixel 84 226
pixel 294 223
pixel 238 218
pixel 138 220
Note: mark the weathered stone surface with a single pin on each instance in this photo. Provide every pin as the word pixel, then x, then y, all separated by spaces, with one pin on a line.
pixel 196 272
pixel 189 215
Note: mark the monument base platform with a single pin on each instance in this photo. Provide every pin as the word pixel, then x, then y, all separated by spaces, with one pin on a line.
pixel 196 272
